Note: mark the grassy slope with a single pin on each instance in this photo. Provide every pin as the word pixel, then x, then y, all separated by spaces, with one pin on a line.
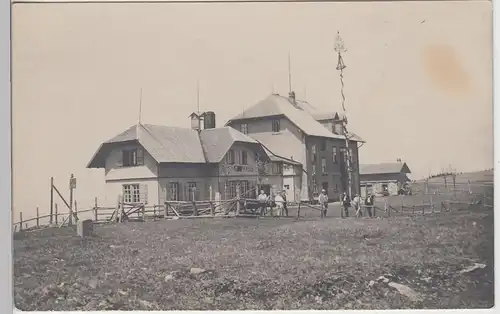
pixel 259 264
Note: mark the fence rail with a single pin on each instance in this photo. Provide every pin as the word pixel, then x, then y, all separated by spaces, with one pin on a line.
pixel 241 206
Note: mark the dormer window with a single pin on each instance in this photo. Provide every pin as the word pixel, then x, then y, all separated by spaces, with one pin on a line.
pixel 276 125
pixel 338 128
pixel 244 128
pixel 132 157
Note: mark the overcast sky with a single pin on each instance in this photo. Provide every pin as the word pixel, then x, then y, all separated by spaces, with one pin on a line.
pixel 418 81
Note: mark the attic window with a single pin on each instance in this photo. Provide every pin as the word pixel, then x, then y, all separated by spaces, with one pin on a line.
pixel 132 157
pixel 230 157
pixel 276 125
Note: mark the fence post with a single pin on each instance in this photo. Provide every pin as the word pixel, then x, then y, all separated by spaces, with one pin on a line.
pixel 432 205
pixel 423 210
pixel 57 213
pixel 76 212
pixel 238 197
pixel 298 211
pixel 165 210
pixel 51 198
pixel 468 185
pixel 413 210
pixel 154 212
pixel 195 209
pixel 37 218
pixel 20 221
pixel 212 208
pixel 143 209
pixel 95 209
pixel 402 204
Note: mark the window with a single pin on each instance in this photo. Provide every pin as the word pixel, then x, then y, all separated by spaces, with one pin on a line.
pixel 337 128
pixel 276 125
pixel 323 145
pixel 131 193
pixel 173 191
pixel 244 128
pixel 336 180
pixel 192 191
pixel 343 151
pixel 324 186
pixel 231 188
pixel 132 157
pixel 237 158
pixel 275 168
pixel 323 166
pixel 313 151
pixel 244 189
pixel 335 161
pixel 244 157
pixel 230 157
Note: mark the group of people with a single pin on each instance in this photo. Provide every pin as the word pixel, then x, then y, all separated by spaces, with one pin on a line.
pixel 346 203
pixel 356 204
pixel 279 201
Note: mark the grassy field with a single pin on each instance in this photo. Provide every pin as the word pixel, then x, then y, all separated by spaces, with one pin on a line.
pixel 259 264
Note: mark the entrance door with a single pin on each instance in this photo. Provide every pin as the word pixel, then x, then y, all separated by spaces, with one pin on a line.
pixel 289 188
pixel 266 188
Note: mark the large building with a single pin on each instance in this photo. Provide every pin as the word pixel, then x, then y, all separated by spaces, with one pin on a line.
pixel 384 179
pixel 295 130
pixel 152 163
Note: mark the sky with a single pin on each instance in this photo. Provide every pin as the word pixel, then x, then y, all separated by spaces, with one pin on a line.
pixel 418 82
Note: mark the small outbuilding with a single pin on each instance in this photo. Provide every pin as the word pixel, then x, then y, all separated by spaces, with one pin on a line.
pixel 384 179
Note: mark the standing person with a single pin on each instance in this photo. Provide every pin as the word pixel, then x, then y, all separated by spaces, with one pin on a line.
pixel 279 201
pixel 369 204
pixel 262 202
pixel 285 205
pixel 356 204
pixel 323 201
pixel 346 203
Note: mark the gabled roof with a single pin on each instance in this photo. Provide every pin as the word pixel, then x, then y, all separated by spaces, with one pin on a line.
pixel 276 105
pixel 283 144
pixel 175 145
pixel 216 142
pixel 384 168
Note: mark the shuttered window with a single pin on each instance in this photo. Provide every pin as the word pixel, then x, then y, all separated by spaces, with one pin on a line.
pixel 131 157
pixel 135 193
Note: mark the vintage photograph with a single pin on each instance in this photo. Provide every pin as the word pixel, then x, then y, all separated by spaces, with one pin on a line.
pixel 252 156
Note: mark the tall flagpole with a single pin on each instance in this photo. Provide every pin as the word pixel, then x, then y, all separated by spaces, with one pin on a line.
pixel 137 128
pixel 340 48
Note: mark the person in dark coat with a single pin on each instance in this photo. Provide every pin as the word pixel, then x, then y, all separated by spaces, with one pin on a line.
pixel 346 203
pixel 285 207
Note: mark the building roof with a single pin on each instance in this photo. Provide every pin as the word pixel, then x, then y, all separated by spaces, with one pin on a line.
pixel 174 144
pixel 384 168
pixel 216 142
pixel 283 144
pixel 299 113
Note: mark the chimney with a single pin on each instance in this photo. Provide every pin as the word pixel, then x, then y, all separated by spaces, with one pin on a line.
pixel 195 121
pixel 291 97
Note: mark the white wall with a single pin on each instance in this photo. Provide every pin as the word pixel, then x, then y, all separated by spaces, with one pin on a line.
pixel 115 188
pixel 114 171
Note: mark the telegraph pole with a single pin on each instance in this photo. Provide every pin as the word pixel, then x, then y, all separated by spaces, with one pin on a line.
pixel 340 48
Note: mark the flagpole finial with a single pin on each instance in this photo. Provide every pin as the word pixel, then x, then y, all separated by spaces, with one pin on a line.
pixel 339 44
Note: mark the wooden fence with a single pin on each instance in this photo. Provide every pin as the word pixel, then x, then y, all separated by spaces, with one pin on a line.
pixel 241 206
pixel 100 214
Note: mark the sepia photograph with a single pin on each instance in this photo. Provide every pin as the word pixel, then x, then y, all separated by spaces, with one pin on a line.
pixel 252 156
